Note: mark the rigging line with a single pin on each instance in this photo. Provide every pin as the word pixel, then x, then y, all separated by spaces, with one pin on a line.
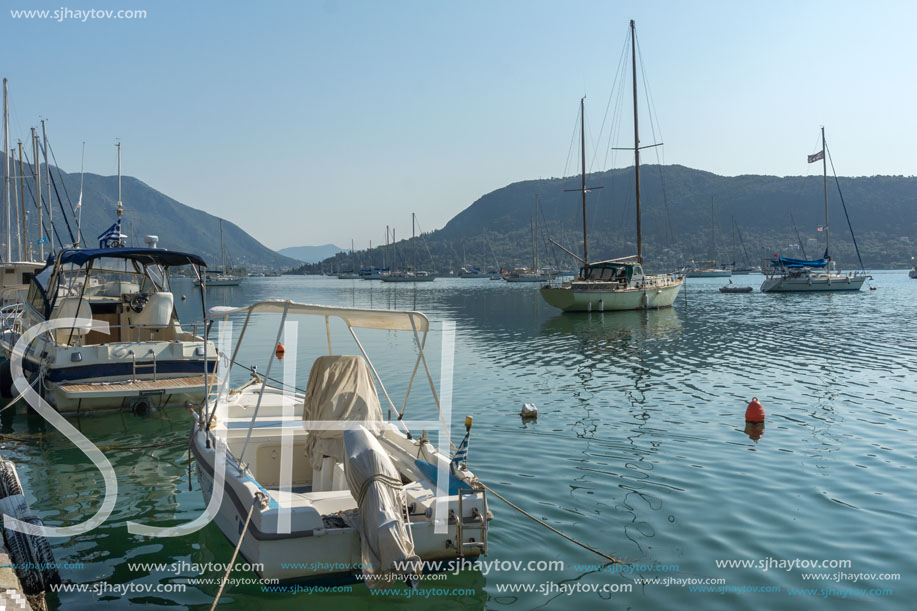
pixel 427 246
pixel 64 187
pixel 849 225
pixel 61 205
pixel 798 239
pixel 43 231
pixel 572 143
pixel 618 73
pixel 546 235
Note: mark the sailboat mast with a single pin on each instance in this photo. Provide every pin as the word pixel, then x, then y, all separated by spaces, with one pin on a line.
pixel 582 133
pixel 222 249
pixel 36 168
pixel 534 242
pixel 534 261
pixel 413 243
pixel 633 59
pixel 23 226
pixel 824 165
pixel 44 153
pixel 7 241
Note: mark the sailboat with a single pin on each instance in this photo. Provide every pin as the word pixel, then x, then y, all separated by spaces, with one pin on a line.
pixel 350 274
pixel 708 269
pixel 804 276
pixel 913 272
pixel 528 275
pixel 615 284
pixel 410 275
pixel 223 277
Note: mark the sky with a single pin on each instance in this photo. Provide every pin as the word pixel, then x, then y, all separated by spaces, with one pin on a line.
pixel 309 122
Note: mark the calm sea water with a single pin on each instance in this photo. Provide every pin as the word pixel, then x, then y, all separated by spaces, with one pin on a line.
pixel 639 449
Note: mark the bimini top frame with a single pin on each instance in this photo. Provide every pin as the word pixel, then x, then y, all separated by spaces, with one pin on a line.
pixel 392 320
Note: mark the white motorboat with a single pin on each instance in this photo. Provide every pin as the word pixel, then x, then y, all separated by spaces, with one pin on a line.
pixel 329 483
pixel 789 275
pixel 706 269
pixel 615 284
pixel 142 357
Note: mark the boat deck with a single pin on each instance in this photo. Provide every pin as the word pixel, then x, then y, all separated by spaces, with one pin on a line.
pixel 136 388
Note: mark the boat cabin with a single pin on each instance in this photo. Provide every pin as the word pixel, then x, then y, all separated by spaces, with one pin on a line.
pixel 128 288
pixel 621 273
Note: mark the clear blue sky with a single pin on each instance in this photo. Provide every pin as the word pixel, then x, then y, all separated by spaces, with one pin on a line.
pixel 307 122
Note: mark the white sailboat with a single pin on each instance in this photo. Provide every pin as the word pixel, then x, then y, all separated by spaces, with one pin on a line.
pixel 412 274
pixel 529 275
pixel 224 277
pixel 615 284
pixel 810 276
pixel 328 484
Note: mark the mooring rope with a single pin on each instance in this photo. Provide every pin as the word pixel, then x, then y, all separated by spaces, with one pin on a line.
pixel 235 553
pixel 551 528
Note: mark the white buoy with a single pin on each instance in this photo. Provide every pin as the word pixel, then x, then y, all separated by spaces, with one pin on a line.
pixel 529 410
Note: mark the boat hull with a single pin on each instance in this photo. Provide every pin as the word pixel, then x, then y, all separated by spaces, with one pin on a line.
pixel 717 273
pixel 821 284
pixel 571 299
pixel 541 279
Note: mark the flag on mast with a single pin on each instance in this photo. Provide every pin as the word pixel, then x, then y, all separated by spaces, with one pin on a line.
pixel 817 156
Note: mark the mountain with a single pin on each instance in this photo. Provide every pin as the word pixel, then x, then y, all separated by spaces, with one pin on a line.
pixel 147 211
pixel 684 213
pixel 311 254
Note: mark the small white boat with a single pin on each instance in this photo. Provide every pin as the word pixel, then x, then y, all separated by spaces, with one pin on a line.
pixel 358 489
pixel 706 269
pixel 913 272
pixel 220 278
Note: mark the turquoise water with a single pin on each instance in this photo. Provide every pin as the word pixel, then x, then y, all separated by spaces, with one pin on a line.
pixel 639 449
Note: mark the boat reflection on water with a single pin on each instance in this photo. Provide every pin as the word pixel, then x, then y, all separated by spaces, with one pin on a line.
pixel 608 325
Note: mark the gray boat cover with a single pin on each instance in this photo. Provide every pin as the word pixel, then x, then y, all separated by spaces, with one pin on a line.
pixel 375 484
pixel 340 389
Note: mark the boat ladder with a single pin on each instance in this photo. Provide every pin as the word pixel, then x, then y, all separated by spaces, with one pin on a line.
pixel 144 366
pixel 478 522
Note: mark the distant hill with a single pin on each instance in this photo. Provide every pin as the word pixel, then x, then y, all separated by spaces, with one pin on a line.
pixel 683 211
pixel 147 211
pixel 311 254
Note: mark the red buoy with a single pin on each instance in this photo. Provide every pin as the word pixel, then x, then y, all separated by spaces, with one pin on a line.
pixel 279 352
pixel 755 411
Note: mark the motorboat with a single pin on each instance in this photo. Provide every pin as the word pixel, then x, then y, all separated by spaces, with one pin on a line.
pixel 330 484
pixel 122 345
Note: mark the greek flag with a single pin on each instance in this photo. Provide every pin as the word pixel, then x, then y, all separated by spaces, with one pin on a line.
pixel 112 234
pixel 461 454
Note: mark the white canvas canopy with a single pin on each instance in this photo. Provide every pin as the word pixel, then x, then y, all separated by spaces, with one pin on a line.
pixel 375 484
pixel 354 317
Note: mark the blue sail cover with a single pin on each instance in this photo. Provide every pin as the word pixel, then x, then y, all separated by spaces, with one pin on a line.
pixel 788 262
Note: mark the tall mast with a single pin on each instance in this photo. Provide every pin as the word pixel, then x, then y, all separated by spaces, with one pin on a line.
pixel 384 253
pixel 534 243
pixel 222 250
pixel 120 209
pixel 79 202
pixel 582 135
pixel 413 243
pixel 824 165
pixel 36 168
pixel 44 152
pixel 534 262
pixel 633 59
pixel 23 226
pixel 7 241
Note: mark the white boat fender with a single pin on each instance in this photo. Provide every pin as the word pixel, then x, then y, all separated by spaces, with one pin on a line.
pixel 376 485
pixel 529 410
